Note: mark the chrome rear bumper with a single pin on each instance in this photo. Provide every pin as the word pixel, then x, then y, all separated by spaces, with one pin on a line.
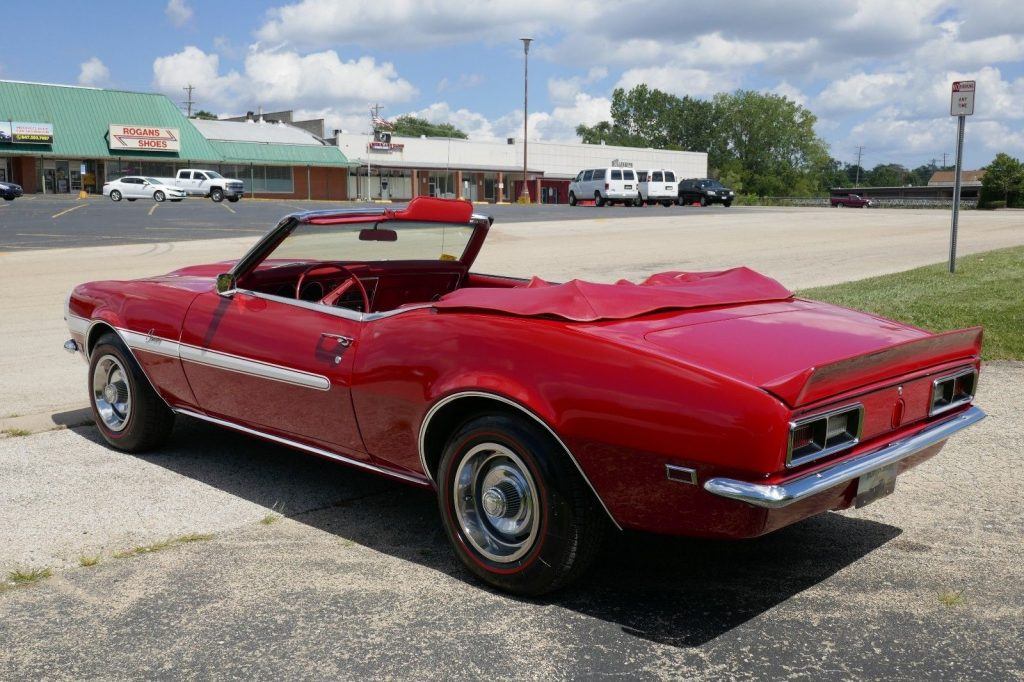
pixel 785 494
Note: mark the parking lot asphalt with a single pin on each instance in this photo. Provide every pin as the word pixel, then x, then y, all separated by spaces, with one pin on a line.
pixel 41 222
pixel 357 580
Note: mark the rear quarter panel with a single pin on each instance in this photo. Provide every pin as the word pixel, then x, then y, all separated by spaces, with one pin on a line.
pixel 623 412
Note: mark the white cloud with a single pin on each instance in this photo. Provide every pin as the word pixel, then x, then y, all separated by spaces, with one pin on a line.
pixel 178 12
pixel 465 81
pixel 93 72
pixel 861 91
pixel 564 90
pixel 319 81
pixel 408 25
pixel 679 81
pixel 790 92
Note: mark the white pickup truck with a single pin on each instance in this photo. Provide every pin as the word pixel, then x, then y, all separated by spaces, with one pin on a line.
pixel 206 183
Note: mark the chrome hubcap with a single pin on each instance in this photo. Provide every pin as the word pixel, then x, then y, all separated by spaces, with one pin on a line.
pixel 111 393
pixel 496 502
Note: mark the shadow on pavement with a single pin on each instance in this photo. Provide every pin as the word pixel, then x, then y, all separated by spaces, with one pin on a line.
pixel 676 591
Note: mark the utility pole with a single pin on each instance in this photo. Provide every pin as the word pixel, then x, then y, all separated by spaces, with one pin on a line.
pixel 188 102
pixel 860 153
pixel 374 118
pixel 524 196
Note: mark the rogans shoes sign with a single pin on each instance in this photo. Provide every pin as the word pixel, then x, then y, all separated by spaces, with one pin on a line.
pixel 144 138
pixel 19 132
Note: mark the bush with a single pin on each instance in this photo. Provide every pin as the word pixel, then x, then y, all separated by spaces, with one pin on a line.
pixel 994 204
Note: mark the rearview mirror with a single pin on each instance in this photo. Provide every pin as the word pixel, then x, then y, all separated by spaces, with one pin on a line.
pixel 378 235
pixel 225 283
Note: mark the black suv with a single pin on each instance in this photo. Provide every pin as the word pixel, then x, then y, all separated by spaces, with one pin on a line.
pixel 706 191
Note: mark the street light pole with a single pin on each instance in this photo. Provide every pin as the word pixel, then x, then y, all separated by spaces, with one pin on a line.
pixel 524 196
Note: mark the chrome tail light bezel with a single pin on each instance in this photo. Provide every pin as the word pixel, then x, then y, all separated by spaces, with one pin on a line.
pixel 955 399
pixel 795 458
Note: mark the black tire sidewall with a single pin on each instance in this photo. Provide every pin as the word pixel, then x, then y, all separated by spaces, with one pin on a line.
pixel 217 195
pixel 115 195
pixel 135 435
pixel 159 196
pixel 540 569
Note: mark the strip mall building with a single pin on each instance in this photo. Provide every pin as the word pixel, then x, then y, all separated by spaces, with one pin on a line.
pixel 404 167
pixel 57 139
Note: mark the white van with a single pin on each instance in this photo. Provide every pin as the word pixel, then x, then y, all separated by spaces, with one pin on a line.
pixel 657 187
pixel 605 186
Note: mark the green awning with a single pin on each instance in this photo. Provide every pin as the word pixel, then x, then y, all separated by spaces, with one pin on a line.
pixel 280 154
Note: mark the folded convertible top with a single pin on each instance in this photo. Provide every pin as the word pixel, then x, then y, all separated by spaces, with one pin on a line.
pixel 581 301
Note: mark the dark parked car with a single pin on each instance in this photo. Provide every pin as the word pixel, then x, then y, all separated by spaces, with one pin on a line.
pixel 4 137
pixel 849 201
pixel 706 191
pixel 10 191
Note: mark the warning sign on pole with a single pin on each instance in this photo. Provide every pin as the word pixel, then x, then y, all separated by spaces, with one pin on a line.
pixel 962 101
pixel 961 105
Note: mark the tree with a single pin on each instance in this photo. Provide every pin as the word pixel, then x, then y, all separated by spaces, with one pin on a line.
pixel 204 115
pixel 1004 176
pixel 413 126
pixel 763 142
pixel 887 175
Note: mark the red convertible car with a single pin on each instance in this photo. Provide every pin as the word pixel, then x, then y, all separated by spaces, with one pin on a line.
pixel 708 404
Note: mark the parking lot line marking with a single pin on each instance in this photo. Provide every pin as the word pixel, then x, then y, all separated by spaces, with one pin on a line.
pixel 152 209
pixel 228 208
pixel 68 210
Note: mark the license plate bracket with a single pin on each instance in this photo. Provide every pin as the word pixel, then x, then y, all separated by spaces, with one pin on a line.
pixel 875 485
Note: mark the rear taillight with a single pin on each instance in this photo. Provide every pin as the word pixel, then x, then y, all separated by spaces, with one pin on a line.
pixel 821 435
pixel 953 391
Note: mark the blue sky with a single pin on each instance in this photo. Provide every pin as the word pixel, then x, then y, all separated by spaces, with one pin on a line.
pixel 876 73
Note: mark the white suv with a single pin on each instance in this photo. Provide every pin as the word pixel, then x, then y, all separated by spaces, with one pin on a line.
pixel 604 186
pixel 657 187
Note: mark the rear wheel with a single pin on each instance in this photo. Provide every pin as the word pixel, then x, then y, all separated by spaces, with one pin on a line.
pixel 598 199
pixel 115 195
pixel 666 203
pixel 572 199
pixel 517 513
pixel 127 411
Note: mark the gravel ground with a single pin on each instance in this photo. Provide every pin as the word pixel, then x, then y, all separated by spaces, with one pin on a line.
pixel 358 580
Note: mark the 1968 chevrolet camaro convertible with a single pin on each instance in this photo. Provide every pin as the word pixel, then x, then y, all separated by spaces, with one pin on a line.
pixel 710 404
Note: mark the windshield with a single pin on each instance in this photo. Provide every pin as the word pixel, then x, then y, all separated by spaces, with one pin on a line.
pixel 712 184
pixel 213 174
pixel 415 241
pixel 153 181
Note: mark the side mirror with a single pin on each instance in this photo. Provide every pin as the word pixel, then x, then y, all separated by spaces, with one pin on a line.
pixel 377 235
pixel 225 283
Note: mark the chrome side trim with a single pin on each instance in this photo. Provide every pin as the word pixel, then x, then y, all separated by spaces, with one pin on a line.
pixel 493 396
pixel 785 494
pixel 240 365
pixel 409 478
pixel 159 345
pixel 120 335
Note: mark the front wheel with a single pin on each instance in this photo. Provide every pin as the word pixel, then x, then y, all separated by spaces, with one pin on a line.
pixel 518 514
pixel 127 410
pixel 115 195
pixel 234 199
pixel 217 194
pixel 159 196
pixel 572 199
pixel 703 201
pixel 666 203
pixel 727 204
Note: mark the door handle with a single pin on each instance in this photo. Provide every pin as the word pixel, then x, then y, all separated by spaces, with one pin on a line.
pixel 343 341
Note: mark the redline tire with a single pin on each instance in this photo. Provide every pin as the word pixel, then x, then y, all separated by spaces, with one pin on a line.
pixel 148 421
pixel 569 527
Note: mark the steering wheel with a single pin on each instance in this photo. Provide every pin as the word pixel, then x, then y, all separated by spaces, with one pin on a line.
pixel 334 294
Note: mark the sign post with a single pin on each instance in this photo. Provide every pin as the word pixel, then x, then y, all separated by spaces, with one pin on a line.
pixel 961 105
